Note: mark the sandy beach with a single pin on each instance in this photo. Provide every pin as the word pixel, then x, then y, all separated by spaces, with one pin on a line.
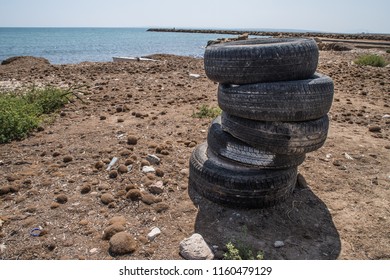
pixel 56 179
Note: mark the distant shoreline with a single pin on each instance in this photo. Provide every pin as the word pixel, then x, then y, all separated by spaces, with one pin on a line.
pixel 345 36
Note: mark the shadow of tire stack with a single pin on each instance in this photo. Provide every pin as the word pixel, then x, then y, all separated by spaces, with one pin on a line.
pixel 274 111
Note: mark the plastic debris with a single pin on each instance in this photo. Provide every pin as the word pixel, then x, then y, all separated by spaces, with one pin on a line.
pixel 112 163
pixel 35 232
pixel 347 156
pixel 194 76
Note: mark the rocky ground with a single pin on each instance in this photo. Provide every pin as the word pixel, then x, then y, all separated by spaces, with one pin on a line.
pixel 58 201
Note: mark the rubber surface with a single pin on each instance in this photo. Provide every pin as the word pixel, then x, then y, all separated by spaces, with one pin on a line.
pixel 287 138
pixel 226 146
pixel 235 185
pixel 299 100
pixel 261 60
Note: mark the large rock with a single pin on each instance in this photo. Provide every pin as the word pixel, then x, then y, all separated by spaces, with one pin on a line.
pixel 195 248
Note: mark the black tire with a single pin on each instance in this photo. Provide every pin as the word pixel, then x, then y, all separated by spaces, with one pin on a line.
pixel 236 185
pixel 261 60
pixel 226 146
pixel 288 101
pixel 286 138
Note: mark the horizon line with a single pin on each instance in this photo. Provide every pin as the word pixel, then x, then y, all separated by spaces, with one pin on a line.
pixel 204 28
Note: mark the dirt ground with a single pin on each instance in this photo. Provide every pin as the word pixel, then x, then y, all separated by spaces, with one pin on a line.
pixel 55 179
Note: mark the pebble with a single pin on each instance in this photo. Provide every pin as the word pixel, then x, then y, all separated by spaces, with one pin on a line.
pixel 12 178
pixel 99 165
pixel 144 162
pixel 147 169
pixel 83 222
pixel 56 154
pixel 278 244
pixel 154 233
pixel 117 220
pixel 122 243
pixel 150 199
pixel 102 118
pixel 134 195
pixel 159 172
pixel 93 250
pixel 107 198
pixel 132 140
pixel 125 153
pixel 54 205
pixel 62 199
pixel 14 188
pixel 161 207
pixel 122 169
pixel 67 159
pixel 374 128
pixel 130 187
pixel 85 189
pixel 113 174
pixel 4 190
pixel 192 144
pixel 156 188
pixel 111 230
pixel 50 246
pixel 185 172
pixel 153 159
pixel 337 162
pixel 112 205
pixel 195 248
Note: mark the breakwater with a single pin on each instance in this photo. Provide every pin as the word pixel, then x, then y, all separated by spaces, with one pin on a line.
pixel 340 36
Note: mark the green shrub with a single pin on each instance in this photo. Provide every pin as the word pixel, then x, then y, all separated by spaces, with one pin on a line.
pixel 371 60
pixel 17 118
pixel 207 112
pixel 48 99
pixel 241 253
pixel 388 51
pixel 240 250
pixel 21 113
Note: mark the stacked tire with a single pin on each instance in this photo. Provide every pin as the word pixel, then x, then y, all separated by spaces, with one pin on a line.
pixel 274 111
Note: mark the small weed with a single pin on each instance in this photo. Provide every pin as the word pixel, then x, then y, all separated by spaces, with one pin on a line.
pixel 241 251
pixel 371 60
pixel 388 51
pixel 207 112
pixel 23 112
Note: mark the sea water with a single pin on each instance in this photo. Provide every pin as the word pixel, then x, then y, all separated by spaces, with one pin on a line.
pixel 74 45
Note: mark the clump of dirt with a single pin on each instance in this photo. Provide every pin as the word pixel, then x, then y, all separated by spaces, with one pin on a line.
pixel 26 61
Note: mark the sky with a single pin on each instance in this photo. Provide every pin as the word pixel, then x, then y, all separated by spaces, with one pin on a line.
pixel 351 16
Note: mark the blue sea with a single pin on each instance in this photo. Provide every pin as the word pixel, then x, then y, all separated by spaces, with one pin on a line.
pixel 74 45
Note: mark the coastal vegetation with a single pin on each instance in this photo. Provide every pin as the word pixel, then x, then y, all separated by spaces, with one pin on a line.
pixel 371 60
pixel 23 112
pixel 207 112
